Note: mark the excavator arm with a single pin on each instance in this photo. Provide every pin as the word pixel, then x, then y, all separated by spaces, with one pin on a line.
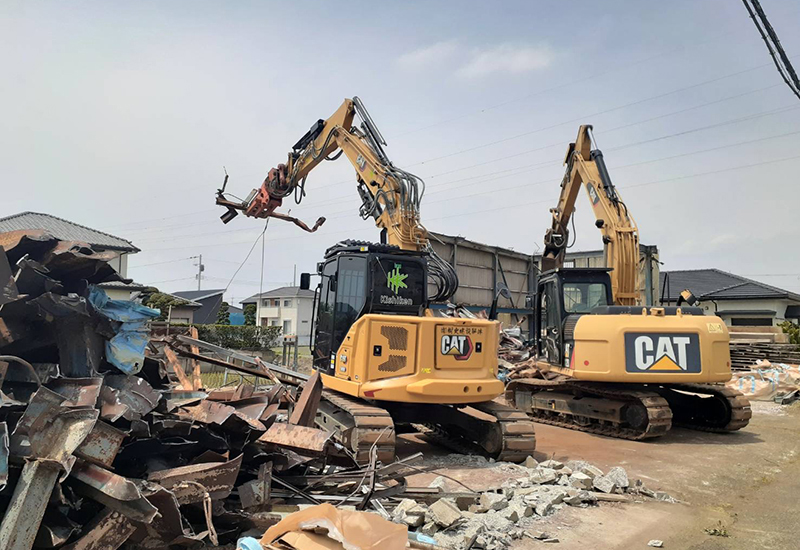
pixel 389 195
pixel 585 165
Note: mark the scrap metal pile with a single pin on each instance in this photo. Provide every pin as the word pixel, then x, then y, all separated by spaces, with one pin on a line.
pixel 108 440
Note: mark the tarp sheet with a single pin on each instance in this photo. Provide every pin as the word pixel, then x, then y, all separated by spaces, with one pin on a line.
pixel 126 349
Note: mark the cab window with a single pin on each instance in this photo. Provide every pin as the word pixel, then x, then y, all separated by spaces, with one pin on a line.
pixel 584 297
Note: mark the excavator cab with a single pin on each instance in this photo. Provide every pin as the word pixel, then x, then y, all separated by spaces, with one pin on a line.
pixel 562 296
pixel 357 279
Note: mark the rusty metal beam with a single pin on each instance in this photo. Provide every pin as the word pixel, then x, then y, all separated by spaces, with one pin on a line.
pixel 190 483
pixel 301 439
pixel 306 408
pixel 107 531
pixel 112 490
pixel 174 363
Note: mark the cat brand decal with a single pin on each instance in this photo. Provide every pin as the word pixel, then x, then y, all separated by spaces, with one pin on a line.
pixel 658 352
pixel 458 345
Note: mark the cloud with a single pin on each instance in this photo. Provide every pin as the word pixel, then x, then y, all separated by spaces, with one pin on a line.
pixel 505 58
pixel 428 55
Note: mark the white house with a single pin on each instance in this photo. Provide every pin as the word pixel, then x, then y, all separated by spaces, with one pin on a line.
pixel 288 307
pixel 739 301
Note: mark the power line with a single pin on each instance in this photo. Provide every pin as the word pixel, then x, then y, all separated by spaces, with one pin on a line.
pixel 770 37
pixel 159 263
pixel 266 225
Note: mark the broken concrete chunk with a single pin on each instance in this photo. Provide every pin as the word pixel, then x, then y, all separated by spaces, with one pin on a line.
pixel 661 495
pixel 543 476
pixel 603 484
pixel 655 543
pixel 438 483
pixel 619 476
pixel 565 471
pixel 563 480
pixel 530 462
pixel 592 471
pixel 516 510
pixel 444 513
pixel 576 497
pixel 492 501
pixel 429 529
pixel 580 481
pixel 554 464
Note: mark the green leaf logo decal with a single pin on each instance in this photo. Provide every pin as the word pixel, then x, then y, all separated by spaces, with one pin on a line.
pixel 396 280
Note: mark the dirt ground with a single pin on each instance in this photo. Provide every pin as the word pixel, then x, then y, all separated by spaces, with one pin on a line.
pixel 747 483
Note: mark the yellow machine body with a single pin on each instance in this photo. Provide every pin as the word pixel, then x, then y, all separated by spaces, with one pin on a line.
pixel 655 352
pixel 412 359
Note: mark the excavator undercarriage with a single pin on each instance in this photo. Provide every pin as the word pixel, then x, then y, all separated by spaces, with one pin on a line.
pixel 630 411
pixel 491 429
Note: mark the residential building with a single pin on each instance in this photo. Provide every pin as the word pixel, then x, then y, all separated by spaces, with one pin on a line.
pixel 209 301
pixel 71 231
pixel 288 307
pixel 739 301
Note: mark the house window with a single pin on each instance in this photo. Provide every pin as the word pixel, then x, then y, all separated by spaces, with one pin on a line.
pixel 751 322
pixel 274 323
pixel 287 327
pixel 287 303
pixel 264 322
pixel 276 303
pixel 265 303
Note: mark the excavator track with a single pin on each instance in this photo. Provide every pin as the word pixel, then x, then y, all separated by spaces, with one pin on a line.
pixel 650 410
pixel 509 436
pixel 722 410
pixel 357 425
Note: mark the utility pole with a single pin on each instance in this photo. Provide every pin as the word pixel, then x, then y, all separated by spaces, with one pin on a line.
pixel 200 269
pixel 294 275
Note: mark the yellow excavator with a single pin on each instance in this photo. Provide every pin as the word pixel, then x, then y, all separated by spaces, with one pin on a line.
pixel 385 360
pixel 607 363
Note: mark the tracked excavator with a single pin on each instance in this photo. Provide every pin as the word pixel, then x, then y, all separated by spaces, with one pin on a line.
pixel 385 360
pixel 607 363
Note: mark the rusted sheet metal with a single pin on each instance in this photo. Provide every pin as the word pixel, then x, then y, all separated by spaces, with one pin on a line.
pixel 32 279
pixel 211 412
pixel 181 398
pixel 76 260
pixel 252 407
pixel 80 347
pixel 175 365
pixel 127 396
pixel 306 408
pixel 79 392
pixel 40 402
pixel 102 444
pixel 300 439
pixel 26 241
pixel 168 524
pixel 190 483
pixel 112 490
pixel 107 531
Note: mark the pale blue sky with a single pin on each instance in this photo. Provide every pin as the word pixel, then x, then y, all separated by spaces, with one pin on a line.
pixel 120 116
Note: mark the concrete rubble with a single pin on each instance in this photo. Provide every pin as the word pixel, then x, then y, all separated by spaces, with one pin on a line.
pixel 514 509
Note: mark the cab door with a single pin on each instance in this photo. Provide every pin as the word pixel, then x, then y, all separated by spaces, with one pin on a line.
pixel 549 325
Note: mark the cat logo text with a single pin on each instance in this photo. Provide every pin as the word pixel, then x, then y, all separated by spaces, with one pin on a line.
pixel 459 346
pixel 649 352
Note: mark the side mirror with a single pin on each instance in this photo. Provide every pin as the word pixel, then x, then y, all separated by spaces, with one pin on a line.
pixel 305 281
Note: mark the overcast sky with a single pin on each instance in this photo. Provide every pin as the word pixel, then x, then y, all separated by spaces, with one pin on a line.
pixel 121 116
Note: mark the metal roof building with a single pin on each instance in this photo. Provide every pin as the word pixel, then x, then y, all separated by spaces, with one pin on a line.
pixel 65 230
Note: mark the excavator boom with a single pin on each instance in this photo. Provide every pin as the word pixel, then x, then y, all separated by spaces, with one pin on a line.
pixel 585 166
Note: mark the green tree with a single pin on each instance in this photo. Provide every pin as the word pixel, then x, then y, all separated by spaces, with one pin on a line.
pixel 792 330
pixel 223 314
pixel 250 315
pixel 162 302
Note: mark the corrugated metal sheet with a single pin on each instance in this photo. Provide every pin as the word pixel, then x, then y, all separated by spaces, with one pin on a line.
pixel 64 230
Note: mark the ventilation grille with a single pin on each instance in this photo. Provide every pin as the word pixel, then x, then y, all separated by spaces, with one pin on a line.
pixel 397 336
pixel 393 364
